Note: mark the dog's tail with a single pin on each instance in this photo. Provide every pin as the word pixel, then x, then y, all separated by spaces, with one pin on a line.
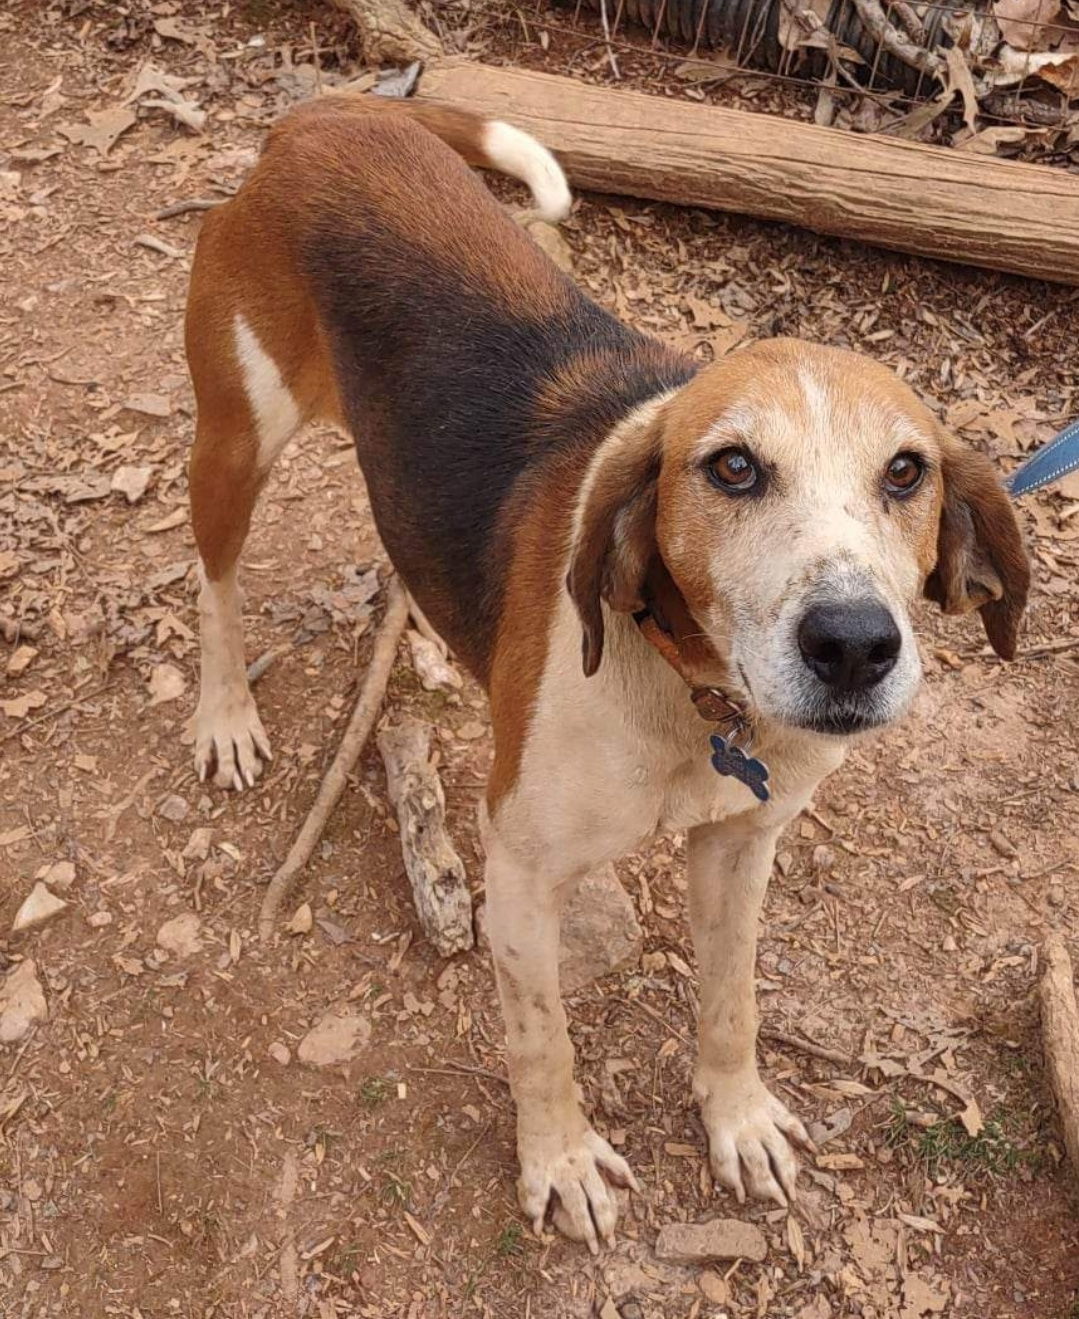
pixel 484 144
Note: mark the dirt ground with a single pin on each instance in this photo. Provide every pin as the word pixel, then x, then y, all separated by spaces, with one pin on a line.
pixel 163 1151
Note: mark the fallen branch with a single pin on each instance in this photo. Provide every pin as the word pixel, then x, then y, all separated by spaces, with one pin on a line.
pixel 435 871
pixel 356 734
pixel 953 205
pixel 391 33
pixel 896 42
pixel 820 1051
pixel 1060 1040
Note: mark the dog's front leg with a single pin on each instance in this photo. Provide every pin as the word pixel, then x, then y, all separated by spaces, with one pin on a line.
pixel 561 1157
pixel 749 1130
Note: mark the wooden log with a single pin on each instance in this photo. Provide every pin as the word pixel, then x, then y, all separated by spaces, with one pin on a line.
pixel 1060 1040
pixel 932 201
pixel 435 871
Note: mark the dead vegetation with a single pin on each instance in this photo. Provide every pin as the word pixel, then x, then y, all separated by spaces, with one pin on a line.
pixel 206 1125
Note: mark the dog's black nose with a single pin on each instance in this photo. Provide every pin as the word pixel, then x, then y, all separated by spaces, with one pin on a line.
pixel 849 646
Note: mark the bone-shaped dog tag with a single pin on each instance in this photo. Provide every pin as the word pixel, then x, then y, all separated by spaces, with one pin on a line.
pixel 728 758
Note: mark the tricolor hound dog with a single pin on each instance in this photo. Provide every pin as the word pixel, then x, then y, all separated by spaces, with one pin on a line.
pixel 751 533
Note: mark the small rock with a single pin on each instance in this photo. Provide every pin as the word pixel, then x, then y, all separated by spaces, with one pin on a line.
pixel 714 1288
pixel 302 920
pixel 60 875
pixel 1003 846
pixel 166 683
pixel 624 1277
pixel 182 936
pixel 948 944
pixel 280 1053
pixel 22 1002
pixel 37 908
pixel 834 1125
pixel 600 932
pixel 722 1238
pixel 432 669
pixel 198 845
pixel 131 482
pixel 174 808
pixel 547 237
pixel 334 1039
pixel 99 919
pixel 471 730
pixel 823 859
pixel 21 659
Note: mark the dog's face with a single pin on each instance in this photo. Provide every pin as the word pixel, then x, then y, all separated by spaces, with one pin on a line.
pixel 801 499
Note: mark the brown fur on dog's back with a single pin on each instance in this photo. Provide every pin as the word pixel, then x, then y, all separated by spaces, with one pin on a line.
pixel 396 296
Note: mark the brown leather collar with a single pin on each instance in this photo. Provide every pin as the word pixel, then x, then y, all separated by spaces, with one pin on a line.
pixel 667 625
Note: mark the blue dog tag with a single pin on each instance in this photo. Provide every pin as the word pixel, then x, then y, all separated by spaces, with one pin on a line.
pixel 727 758
pixel 1054 460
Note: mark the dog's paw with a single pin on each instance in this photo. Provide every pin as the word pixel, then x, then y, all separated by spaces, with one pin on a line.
pixel 749 1136
pixel 230 742
pixel 576 1173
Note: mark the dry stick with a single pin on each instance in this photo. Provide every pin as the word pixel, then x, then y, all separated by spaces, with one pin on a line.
pixel 356 734
pixel 807 1046
pixel 896 42
pixel 1060 1039
pixel 193 204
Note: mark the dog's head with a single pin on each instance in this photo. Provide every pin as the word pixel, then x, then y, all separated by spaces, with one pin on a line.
pixel 800 498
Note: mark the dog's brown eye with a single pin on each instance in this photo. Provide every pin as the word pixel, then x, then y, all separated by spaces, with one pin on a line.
pixel 733 470
pixel 904 474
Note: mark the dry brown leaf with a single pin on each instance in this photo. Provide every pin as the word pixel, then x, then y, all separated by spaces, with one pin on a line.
pixel 104 128
pixel 960 80
pixel 921 1297
pixel 1022 22
pixel 151 405
pixel 183 111
pixel 971 1118
pixel 988 140
pixel 176 518
pixel 1063 75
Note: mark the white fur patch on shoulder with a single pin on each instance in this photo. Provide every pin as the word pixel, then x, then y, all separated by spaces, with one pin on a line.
pixel 276 413
pixel 512 151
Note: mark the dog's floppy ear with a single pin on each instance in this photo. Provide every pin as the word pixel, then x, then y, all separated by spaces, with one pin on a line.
pixel 615 530
pixel 981 561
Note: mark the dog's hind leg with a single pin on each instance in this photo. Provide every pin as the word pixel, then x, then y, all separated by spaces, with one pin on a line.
pixel 246 414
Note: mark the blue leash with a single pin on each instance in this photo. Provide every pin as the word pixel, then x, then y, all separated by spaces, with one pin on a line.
pixel 1054 460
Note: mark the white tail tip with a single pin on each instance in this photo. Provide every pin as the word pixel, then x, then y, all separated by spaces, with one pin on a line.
pixel 514 152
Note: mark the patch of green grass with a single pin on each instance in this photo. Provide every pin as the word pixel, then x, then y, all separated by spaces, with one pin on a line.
pixel 947 1145
pixel 396 1191
pixel 374 1091
pixel 508 1242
